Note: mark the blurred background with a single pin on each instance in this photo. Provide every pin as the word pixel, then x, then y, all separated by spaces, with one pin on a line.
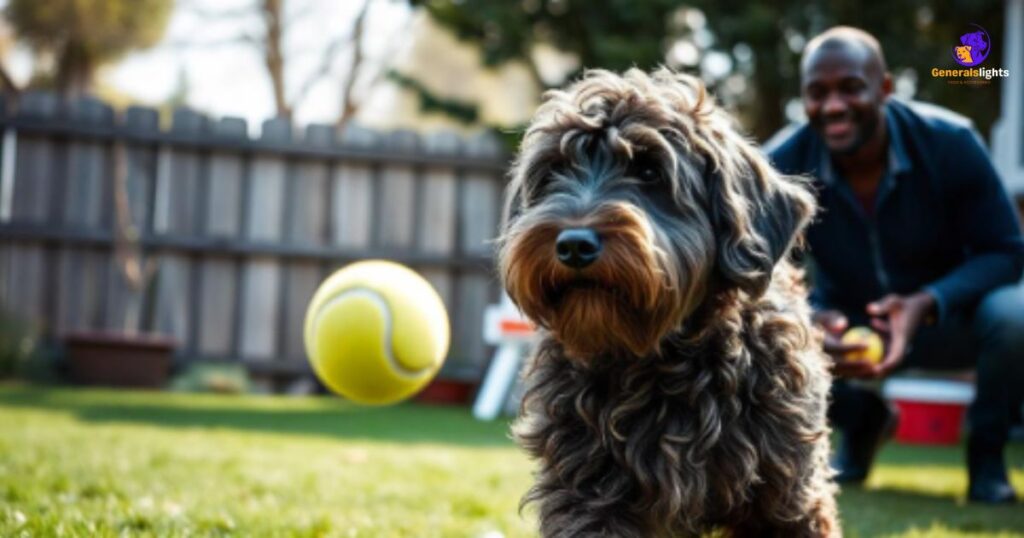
pixel 193 168
pixel 177 177
pixel 465 64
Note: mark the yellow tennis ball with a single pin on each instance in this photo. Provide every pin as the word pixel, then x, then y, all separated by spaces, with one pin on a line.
pixel 376 332
pixel 864 335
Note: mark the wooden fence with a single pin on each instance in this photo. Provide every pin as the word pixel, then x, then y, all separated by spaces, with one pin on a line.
pixel 244 229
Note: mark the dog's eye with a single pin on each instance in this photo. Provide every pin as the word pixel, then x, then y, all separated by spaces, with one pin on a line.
pixel 646 172
pixel 649 174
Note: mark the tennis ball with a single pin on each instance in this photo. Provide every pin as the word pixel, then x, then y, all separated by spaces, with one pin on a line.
pixel 376 332
pixel 864 335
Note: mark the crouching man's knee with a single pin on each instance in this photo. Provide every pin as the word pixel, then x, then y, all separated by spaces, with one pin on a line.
pixel 999 321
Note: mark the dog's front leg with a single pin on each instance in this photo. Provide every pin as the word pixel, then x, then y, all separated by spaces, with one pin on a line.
pixel 575 492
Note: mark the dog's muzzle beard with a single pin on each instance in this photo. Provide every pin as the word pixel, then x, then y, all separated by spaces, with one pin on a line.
pixel 621 300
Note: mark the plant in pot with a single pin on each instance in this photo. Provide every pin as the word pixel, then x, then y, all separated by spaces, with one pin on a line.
pixel 129 357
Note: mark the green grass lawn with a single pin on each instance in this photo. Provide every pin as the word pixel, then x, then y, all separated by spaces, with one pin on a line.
pixel 107 463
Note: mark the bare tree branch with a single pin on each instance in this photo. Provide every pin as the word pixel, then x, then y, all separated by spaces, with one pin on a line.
pixel 241 39
pixel 276 22
pixel 324 69
pixel 273 54
pixel 299 14
pixel 204 12
pixel 135 267
pixel 376 77
pixel 348 103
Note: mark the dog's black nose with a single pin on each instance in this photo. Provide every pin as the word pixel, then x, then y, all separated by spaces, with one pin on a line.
pixel 578 247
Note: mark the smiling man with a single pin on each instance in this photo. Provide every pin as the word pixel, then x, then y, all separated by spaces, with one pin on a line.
pixel 915 237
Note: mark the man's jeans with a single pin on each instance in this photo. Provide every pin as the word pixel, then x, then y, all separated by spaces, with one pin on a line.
pixel 988 338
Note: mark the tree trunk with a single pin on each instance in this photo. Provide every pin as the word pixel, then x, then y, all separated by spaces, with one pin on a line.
pixel 75 70
pixel 273 17
pixel 349 105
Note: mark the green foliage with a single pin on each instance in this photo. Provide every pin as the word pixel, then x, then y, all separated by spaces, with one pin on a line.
pixel 429 102
pixel 101 463
pixel 17 346
pixel 82 35
pixel 212 377
pixel 614 34
pixel 762 40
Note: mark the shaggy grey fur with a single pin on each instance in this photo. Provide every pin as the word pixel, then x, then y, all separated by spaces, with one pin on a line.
pixel 679 388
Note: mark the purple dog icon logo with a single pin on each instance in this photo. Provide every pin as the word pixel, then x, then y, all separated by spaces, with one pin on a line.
pixel 973 48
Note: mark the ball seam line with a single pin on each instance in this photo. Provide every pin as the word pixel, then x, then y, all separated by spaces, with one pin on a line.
pixel 385 307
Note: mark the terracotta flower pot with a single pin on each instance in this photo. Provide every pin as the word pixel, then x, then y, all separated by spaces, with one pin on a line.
pixel 119 360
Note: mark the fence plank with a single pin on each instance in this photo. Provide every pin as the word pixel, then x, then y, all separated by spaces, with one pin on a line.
pixel 217 306
pixel 180 194
pixel 303 278
pixel 183 179
pixel 307 218
pixel 83 273
pixel 171 310
pixel 24 296
pixel 207 184
pixel 261 281
pixel 34 175
pixel 32 200
pixel 225 178
pixel 87 187
pixel 436 227
pixel 395 214
pixel 438 219
pixel 260 285
pixel 352 194
pixel 218 275
pixel 479 213
pixel 82 281
pixel 266 194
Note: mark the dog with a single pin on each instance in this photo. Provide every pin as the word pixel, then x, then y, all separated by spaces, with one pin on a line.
pixel 678 388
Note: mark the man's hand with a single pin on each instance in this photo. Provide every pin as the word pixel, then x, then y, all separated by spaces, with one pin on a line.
pixel 899 317
pixel 834 324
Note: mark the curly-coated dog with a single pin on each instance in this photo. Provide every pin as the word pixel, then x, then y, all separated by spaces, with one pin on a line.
pixel 679 388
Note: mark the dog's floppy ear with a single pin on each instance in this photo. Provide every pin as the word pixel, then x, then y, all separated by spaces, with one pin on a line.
pixel 757 214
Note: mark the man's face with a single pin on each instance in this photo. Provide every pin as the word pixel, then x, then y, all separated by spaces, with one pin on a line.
pixel 843 94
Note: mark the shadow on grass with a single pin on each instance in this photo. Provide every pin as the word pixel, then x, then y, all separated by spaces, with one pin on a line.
pixel 868 512
pixel 323 417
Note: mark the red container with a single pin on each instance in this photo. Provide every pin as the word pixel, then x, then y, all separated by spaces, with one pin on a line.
pixel 931 411
pixel 446 391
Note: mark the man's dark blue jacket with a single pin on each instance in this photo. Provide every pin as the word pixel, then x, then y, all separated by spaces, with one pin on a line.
pixel 942 220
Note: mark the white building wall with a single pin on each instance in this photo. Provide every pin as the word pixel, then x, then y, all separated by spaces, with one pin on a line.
pixel 1008 131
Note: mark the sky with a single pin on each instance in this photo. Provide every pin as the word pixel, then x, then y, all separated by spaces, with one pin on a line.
pixel 227 77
